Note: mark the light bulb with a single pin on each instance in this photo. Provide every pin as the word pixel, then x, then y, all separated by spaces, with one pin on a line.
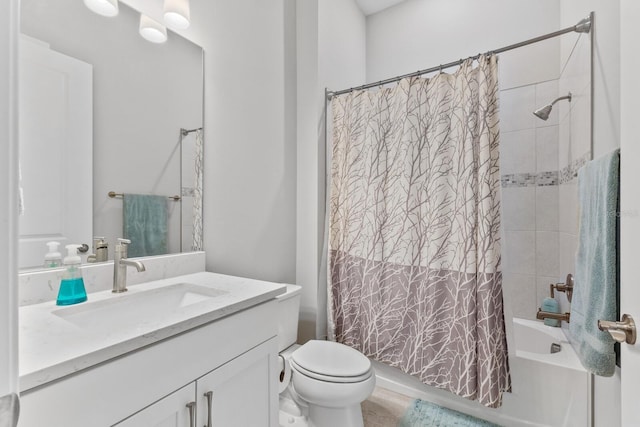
pixel 177 14
pixel 103 7
pixel 152 30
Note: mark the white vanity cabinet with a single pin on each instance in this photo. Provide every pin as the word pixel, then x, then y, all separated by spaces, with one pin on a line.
pixel 172 411
pixel 234 357
pixel 239 394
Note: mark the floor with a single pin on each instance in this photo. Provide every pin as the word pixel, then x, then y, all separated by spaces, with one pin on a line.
pixel 384 408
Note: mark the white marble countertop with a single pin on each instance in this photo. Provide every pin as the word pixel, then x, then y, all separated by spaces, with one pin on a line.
pixel 52 347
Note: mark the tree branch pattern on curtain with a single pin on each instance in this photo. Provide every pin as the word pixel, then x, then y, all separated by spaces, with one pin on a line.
pixel 414 229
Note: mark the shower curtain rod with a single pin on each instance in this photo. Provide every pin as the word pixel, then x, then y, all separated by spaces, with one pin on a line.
pixel 584 26
pixel 185 132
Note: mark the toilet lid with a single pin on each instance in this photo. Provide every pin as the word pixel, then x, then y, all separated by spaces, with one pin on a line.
pixel 330 359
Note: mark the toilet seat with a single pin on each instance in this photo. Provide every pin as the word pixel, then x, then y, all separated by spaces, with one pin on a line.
pixel 331 362
pixel 328 378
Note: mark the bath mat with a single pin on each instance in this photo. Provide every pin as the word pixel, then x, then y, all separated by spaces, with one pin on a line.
pixel 427 414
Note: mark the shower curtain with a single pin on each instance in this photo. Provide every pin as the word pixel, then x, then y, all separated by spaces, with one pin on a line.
pixel 414 275
pixel 197 244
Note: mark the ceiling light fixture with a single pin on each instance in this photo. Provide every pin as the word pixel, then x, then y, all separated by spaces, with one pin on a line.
pixel 103 7
pixel 177 14
pixel 152 30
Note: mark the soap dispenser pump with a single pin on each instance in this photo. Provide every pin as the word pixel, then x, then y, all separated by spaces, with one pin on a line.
pixel 72 289
pixel 53 258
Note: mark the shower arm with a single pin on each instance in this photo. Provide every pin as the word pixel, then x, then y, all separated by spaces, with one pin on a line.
pixel 568 97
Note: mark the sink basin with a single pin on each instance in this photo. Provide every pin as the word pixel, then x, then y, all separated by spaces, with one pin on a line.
pixel 134 309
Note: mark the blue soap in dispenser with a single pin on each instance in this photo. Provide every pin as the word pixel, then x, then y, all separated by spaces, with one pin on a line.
pixel 71 286
pixel 551 305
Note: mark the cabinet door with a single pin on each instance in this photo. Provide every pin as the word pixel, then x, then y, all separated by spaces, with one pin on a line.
pixel 243 391
pixel 172 411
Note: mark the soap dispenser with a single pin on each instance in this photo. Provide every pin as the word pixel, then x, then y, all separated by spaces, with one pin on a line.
pixel 53 258
pixel 550 305
pixel 72 289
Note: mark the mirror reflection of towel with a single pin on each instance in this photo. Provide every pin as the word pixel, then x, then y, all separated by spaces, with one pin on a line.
pixel 145 224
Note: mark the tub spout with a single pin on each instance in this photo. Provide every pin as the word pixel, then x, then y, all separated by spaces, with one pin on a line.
pixel 541 315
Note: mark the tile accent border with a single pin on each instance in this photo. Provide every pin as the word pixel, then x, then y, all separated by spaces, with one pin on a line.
pixel 545 179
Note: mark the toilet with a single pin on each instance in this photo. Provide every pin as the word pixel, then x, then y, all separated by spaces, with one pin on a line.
pixel 322 383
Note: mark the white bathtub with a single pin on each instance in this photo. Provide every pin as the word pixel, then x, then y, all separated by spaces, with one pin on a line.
pixel 547 389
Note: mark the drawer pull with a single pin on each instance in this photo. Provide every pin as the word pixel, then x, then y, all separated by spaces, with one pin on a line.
pixel 209 396
pixel 192 414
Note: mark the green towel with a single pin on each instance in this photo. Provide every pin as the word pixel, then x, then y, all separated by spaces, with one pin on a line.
pixel 594 295
pixel 145 224
pixel 426 414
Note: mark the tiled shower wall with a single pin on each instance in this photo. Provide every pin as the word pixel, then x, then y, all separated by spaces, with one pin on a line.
pixel 529 165
pixel 539 161
pixel 574 149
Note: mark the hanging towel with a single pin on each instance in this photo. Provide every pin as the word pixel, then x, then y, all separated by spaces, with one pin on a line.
pixel 145 224
pixel 594 294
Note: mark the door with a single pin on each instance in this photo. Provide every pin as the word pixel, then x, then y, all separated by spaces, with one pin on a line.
pixel 242 392
pixel 56 146
pixel 630 202
pixel 172 411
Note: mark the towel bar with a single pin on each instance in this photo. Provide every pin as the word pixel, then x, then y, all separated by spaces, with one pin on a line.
pixel 113 195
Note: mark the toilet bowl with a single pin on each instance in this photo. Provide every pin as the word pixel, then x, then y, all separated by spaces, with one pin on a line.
pixel 327 380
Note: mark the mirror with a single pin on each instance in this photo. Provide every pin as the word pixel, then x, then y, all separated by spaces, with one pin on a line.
pixel 103 110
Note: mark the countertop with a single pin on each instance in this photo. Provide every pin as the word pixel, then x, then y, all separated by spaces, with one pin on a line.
pixel 52 347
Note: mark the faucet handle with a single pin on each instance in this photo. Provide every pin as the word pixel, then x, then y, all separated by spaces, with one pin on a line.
pixel 124 241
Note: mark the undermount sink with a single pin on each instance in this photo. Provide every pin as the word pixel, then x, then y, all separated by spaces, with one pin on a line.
pixel 133 309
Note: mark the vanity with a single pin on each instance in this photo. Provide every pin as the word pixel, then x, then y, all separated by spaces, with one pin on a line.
pixel 196 349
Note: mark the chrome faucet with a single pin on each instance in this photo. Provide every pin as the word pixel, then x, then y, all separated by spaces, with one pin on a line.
pixel 564 317
pixel 120 263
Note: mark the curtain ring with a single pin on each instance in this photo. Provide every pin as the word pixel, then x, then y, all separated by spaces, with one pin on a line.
pixel 440 69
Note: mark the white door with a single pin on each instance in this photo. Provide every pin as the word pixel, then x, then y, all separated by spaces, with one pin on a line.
pixel 242 392
pixel 630 202
pixel 56 146
pixel 172 411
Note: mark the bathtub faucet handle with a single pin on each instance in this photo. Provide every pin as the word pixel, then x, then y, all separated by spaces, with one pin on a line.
pixel 566 287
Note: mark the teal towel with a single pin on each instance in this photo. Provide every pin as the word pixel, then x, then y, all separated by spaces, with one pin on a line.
pixel 594 295
pixel 427 414
pixel 145 224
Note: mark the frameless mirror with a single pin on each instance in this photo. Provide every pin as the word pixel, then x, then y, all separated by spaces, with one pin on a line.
pixel 104 111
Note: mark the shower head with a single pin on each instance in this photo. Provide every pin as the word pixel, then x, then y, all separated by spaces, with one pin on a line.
pixel 543 113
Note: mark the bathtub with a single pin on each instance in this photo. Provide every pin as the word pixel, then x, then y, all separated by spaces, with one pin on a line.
pixel 548 389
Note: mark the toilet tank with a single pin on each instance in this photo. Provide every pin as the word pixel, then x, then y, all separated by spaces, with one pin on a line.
pixel 288 309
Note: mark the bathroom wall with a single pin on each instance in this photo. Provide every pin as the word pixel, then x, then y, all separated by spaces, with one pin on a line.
pixel 8 193
pixel 330 54
pixel 423 33
pixel 529 169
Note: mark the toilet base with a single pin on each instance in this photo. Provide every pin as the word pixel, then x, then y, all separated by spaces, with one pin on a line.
pixel 350 416
pixel 291 414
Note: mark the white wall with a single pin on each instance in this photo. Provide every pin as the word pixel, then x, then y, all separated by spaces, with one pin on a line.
pixel 8 193
pixel 250 167
pixel 419 34
pixel 331 54
pixel 630 202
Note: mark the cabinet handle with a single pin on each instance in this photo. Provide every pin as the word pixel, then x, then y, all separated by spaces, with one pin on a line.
pixel 209 396
pixel 192 413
